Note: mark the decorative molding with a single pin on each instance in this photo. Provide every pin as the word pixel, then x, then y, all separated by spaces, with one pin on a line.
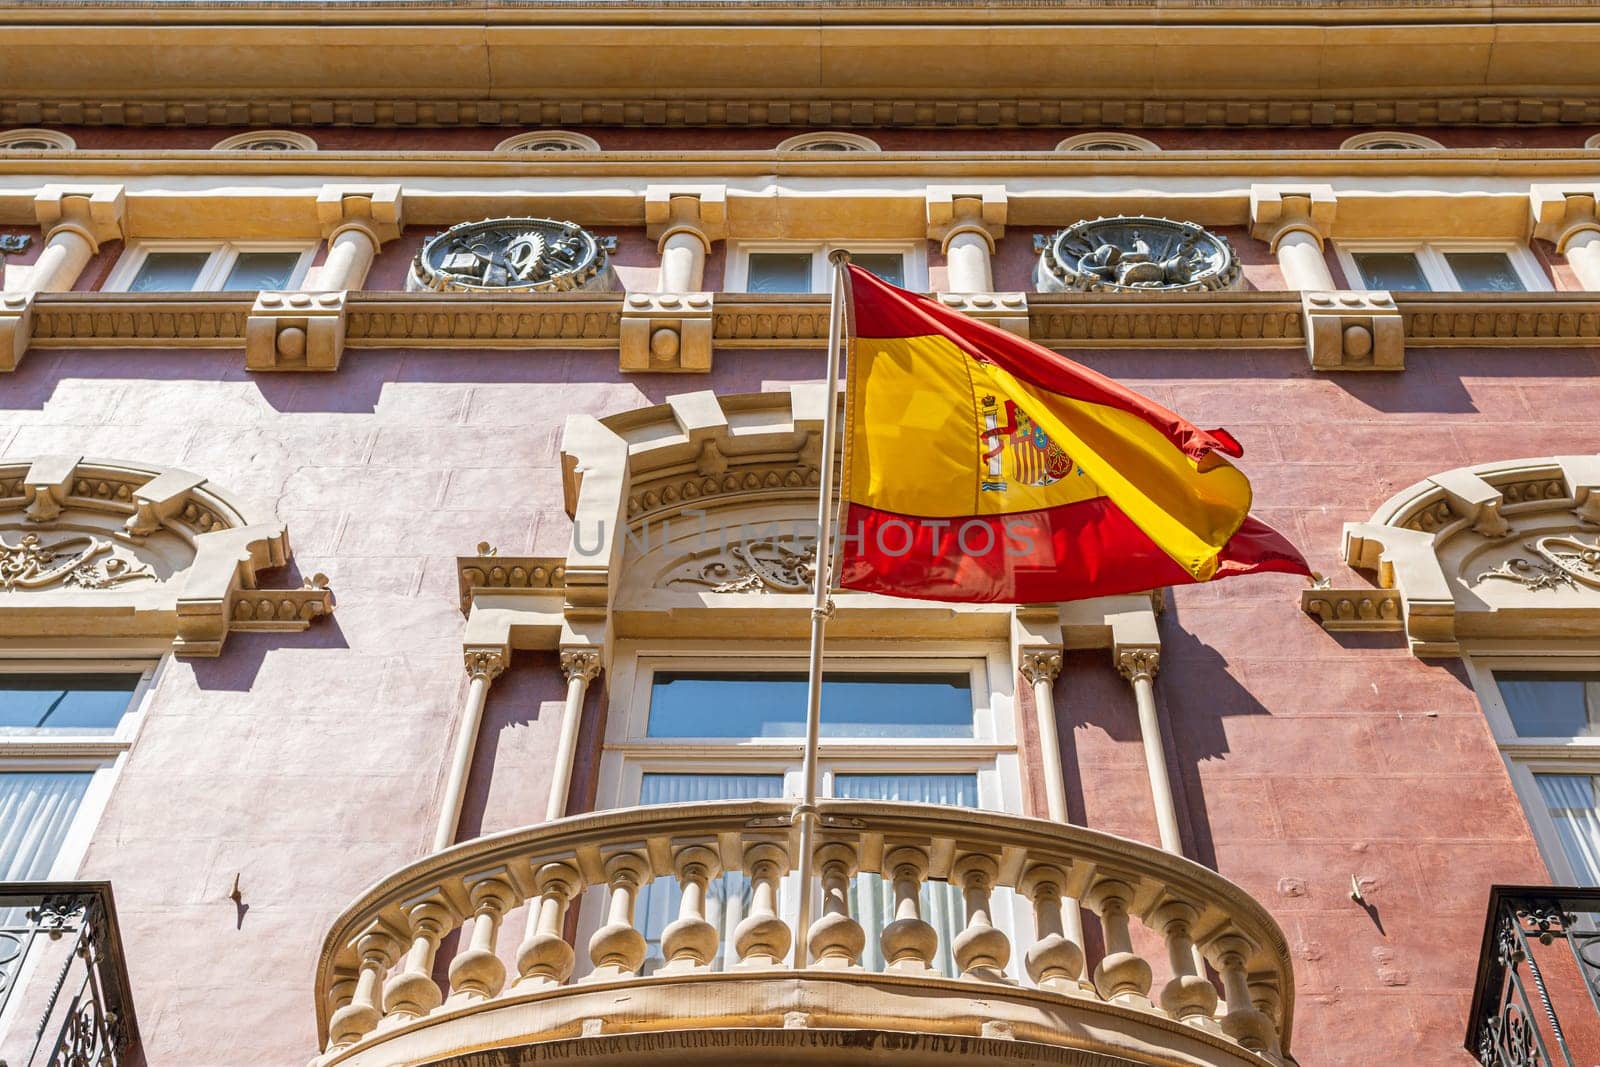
pixel 580 663
pixel 485 664
pixel 1009 311
pixel 1279 210
pixel 491 572
pixel 1562 560
pixel 280 609
pixel 34 563
pixel 1040 665
pixel 451 320
pixel 1353 609
pixel 94 210
pixel 1136 664
pixel 746 478
pixel 758 565
pixel 1164 320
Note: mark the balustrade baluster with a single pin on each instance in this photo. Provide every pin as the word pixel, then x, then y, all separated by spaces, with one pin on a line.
pixel 478 973
pixel 835 939
pixel 980 950
pixel 1243 1022
pixel 544 958
pixel 412 993
pixel 360 1016
pixel 1122 976
pixel 689 942
pixel 1054 961
pixel 1188 997
pixel 908 943
pixel 1269 1002
pixel 763 939
pixel 618 948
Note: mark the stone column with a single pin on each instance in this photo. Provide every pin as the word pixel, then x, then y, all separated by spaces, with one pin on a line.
pixel 483 665
pixel 1567 219
pixel 1295 221
pixel 967 223
pixel 356 221
pixel 75 222
pixel 581 666
pixel 1139 666
pixel 684 221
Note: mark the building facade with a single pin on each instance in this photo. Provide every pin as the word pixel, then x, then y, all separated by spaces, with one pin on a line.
pixel 410 419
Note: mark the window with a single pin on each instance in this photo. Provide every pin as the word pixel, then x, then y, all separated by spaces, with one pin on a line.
pixel 60 736
pixel 266 141
pixel 911 730
pixel 1547 724
pixel 35 141
pixel 1441 266
pixel 549 141
pixel 828 142
pixel 1107 142
pixel 210 267
pixel 791 268
pixel 1390 141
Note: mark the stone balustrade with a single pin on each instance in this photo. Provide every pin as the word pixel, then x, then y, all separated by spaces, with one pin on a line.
pixel 384 995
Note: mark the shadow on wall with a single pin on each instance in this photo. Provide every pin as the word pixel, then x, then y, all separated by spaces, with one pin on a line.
pixel 243 653
pixel 509 783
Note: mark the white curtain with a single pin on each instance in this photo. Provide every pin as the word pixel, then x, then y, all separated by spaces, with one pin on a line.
pixel 728 896
pixel 36 811
pixel 871 898
pixel 1571 801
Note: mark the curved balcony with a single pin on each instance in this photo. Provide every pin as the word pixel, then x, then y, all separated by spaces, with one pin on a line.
pixel 378 1001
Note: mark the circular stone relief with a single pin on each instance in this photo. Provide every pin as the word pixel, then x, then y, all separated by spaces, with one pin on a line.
pixel 514 256
pixel 1134 253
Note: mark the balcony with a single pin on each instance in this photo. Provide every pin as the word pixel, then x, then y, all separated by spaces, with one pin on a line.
pixel 64 992
pixel 1537 999
pixel 379 1000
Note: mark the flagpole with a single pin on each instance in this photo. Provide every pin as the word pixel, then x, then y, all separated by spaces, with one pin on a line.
pixel 821 604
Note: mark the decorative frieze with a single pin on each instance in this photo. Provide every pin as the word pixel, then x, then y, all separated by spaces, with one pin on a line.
pixel 280 609
pixel 1353 609
pixel 746 479
pixel 489 571
pixel 1153 320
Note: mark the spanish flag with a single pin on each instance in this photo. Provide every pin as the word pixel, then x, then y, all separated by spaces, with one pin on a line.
pixel 982 467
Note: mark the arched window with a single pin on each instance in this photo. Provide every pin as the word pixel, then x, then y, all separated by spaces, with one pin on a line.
pixel 1593 142
pixel 549 141
pixel 36 141
pixel 1389 141
pixel 828 142
pixel 1107 141
pixel 266 141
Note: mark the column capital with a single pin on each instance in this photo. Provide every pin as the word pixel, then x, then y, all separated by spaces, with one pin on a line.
pixel 376 210
pixel 701 210
pixel 955 209
pixel 96 212
pixel 1134 663
pixel 1279 210
pixel 580 663
pixel 1561 212
pixel 1039 664
pixel 485 663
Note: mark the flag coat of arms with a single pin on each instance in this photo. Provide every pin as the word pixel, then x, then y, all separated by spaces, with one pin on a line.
pixel 982 467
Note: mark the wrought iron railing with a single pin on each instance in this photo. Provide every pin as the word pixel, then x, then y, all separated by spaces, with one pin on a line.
pixel 64 995
pixel 1537 999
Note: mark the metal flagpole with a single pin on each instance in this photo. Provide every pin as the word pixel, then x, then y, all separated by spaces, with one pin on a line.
pixel 821 605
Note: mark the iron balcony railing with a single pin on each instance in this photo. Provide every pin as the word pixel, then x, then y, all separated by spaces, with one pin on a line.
pixel 64 994
pixel 1537 999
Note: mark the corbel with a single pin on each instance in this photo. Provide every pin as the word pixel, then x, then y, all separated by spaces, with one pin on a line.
pixel 1582 474
pixel 45 486
pixel 700 209
pixel 295 331
pixel 376 210
pixel 16 328
pixel 1561 212
pixel 666 333
pixel 223 592
pixel 1354 331
pixel 511 601
pixel 1279 210
pixel 157 501
pixel 1412 592
pixel 95 212
pixel 1475 500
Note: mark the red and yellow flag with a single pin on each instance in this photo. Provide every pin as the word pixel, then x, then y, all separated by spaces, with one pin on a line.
pixel 983 467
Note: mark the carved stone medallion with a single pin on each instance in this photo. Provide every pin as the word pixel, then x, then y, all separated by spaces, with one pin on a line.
pixel 514 256
pixel 1134 253
pixel 75 559
pixel 767 565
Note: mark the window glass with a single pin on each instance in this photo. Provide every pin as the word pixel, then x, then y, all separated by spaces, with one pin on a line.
pixel 953 790
pixel 1489 272
pixel 779 272
pixel 890 266
pixel 64 703
pixel 1551 703
pixel 169 272
pixel 657 788
pixel 1395 271
pixel 1570 799
pixel 36 811
pixel 686 704
pixel 261 270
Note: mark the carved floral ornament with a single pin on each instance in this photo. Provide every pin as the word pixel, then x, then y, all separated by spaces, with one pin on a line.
pixel 1498 551
pixel 78 537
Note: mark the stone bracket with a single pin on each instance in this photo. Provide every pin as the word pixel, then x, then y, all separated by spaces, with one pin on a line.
pixel 1354 609
pixel 16 328
pixel 158 500
pixel 97 211
pixel 280 609
pixel 1560 211
pixel 46 485
pixel 953 208
pixel 1279 209
pixel 295 332
pixel 378 209
pixel 1009 311
pixel 666 332
pixel 1354 331
pixel 668 207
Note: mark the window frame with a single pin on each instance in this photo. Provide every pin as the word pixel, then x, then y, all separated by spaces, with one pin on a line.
pixel 739 252
pixel 1526 757
pixel 1430 254
pixel 223 256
